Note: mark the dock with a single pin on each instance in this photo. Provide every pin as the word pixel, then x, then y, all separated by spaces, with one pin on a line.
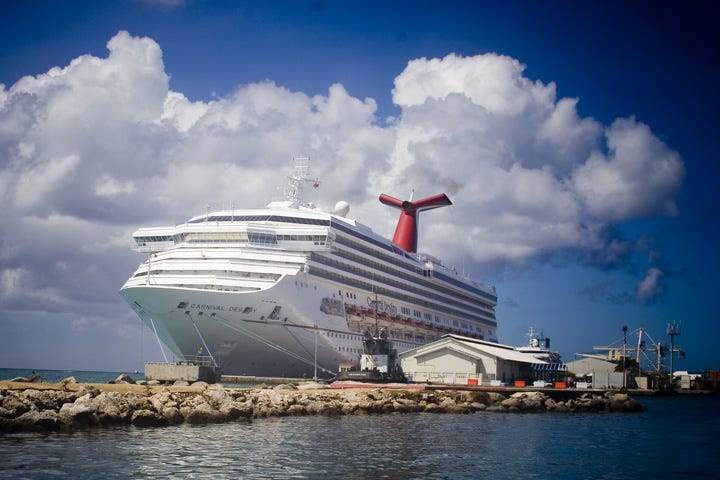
pixel 255 380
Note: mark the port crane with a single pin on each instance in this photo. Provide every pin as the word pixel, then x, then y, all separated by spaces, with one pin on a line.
pixel 647 349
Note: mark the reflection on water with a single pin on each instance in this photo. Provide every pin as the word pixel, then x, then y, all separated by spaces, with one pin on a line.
pixel 480 445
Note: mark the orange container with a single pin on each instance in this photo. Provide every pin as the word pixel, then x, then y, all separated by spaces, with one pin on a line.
pixel 519 383
pixel 472 381
pixel 560 384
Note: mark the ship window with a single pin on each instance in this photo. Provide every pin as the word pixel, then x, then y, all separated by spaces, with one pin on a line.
pixel 262 238
pixel 260 218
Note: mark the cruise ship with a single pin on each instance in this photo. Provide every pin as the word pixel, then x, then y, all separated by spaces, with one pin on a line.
pixel 290 291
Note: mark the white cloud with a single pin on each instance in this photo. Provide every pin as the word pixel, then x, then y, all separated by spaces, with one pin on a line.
pixel 106 186
pixel 493 82
pixel 37 183
pixel 92 150
pixel 181 113
pixel 650 287
pixel 639 177
pixel 528 176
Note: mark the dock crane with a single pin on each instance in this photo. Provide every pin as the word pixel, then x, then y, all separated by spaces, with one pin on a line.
pixel 647 349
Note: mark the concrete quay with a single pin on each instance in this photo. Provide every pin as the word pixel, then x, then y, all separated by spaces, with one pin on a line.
pixel 67 406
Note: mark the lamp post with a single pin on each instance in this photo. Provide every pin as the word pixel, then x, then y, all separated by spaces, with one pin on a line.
pixel 624 359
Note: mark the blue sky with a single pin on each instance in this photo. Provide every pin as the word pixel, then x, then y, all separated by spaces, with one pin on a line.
pixel 574 138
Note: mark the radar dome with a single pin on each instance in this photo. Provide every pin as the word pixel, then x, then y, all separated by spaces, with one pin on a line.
pixel 341 208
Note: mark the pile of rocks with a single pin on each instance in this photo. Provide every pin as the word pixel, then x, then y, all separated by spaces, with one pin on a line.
pixel 64 409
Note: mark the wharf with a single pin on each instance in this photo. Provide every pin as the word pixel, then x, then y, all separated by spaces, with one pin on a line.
pixel 255 380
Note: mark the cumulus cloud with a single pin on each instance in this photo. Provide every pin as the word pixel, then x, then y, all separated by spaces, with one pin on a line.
pixel 527 174
pixel 650 287
pixel 92 150
pixel 638 177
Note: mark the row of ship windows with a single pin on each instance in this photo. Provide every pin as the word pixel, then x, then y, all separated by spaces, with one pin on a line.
pixel 396 261
pixel 260 238
pixel 271 239
pixel 405 286
pixel 229 273
pixel 440 321
pixel 384 246
pixel 220 288
pixel 490 323
pixel 260 218
pixel 417 270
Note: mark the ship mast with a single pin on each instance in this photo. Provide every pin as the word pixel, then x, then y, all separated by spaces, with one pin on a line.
pixel 298 178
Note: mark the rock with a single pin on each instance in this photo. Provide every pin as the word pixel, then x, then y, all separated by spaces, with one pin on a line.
pixel 619 397
pixel 285 386
pixel 633 405
pixel 38 421
pixel 172 415
pixel 495 397
pixel 148 418
pixel 532 405
pixel 15 404
pixel 407 405
pixel 51 409
pixel 77 415
pixel 202 414
pixel 216 397
pixel 433 408
pixel 112 408
pixel 123 378
pixel 495 408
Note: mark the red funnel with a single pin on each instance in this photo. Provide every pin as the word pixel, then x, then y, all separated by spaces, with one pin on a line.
pixel 406 232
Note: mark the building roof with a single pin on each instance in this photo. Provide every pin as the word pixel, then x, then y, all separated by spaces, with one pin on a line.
pixel 498 350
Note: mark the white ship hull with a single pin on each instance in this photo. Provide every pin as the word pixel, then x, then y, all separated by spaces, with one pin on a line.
pixel 260 343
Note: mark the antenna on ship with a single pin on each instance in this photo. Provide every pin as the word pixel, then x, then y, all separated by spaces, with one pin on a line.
pixel 298 178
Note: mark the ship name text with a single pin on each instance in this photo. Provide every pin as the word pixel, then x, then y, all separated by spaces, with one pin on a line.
pixel 381 306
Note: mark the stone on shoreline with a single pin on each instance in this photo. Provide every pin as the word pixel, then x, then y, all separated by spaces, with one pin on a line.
pixel 60 408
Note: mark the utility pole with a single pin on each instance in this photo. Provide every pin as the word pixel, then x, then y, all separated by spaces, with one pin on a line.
pixel 673 329
pixel 624 359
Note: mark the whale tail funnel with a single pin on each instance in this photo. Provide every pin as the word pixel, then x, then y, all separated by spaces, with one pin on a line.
pixel 406 232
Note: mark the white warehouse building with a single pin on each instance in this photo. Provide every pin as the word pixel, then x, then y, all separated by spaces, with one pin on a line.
pixel 454 359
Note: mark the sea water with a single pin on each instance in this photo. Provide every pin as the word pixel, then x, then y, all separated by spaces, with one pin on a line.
pixel 55 376
pixel 677 437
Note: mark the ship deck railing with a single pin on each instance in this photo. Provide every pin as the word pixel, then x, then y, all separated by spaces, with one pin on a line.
pixel 200 360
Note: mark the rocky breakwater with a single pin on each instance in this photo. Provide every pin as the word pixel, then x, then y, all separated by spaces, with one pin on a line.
pixel 60 407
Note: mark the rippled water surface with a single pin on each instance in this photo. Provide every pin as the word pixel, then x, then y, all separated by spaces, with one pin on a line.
pixel 676 438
